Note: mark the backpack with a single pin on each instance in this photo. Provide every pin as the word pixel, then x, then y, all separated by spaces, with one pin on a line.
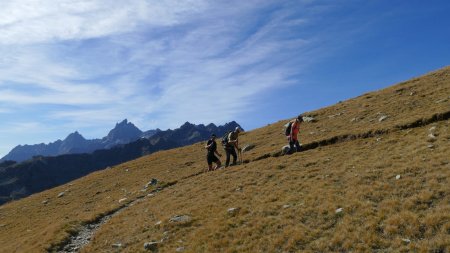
pixel 288 126
pixel 225 139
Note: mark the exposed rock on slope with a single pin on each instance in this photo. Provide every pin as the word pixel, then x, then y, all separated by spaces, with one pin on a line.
pixel 341 195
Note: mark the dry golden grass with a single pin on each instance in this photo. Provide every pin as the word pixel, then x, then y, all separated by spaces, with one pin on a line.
pixel 286 204
pixel 289 204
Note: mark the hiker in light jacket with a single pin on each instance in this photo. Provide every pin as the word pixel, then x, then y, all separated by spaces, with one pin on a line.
pixel 232 146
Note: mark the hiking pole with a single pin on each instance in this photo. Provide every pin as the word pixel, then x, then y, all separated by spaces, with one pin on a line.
pixel 240 156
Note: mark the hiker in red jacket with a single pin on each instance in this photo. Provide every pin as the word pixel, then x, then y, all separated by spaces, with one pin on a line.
pixel 293 135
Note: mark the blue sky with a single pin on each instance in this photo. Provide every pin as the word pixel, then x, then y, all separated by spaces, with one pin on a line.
pixel 84 65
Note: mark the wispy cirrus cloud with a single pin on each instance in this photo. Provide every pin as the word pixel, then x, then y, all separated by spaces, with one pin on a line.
pixel 81 64
pixel 157 63
pixel 31 21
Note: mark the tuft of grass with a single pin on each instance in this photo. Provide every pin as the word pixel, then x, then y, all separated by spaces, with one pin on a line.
pixel 286 203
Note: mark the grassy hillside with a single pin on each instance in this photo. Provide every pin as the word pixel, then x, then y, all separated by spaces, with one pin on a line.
pixel 364 185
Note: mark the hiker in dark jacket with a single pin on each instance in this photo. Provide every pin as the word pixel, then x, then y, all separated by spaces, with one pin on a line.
pixel 293 135
pixel 232 145
pixel 211 157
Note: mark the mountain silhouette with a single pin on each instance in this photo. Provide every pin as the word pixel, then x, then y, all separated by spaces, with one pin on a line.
pixel 43 172
pixel 123 133
pixel 372 176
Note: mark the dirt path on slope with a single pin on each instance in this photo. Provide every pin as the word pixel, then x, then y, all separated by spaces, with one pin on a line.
pixel 76 242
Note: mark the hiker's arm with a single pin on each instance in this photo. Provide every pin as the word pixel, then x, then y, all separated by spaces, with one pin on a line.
pixel 233 142
pixel 217 153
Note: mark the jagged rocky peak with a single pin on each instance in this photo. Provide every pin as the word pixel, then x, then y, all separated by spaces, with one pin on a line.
pixel 74 136
pixel 72 142
pixel 125 127
pixel 187 124
pixel 233 124
pixel 123 132
pixel 123 123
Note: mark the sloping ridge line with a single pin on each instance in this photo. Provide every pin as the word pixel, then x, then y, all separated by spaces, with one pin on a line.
pixel 89 227
pixel 102 218
pixel 372 133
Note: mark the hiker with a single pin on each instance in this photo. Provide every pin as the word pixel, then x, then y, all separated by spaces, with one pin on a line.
pixel 231 145
pixel 292 134
pixel 211 157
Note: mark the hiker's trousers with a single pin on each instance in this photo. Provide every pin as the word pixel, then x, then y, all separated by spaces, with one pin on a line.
pixel 293 143
pixel 230 151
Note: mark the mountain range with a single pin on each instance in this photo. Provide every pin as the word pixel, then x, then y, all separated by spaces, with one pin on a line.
pixel 123 133
pixel 39 173
pixel 373 175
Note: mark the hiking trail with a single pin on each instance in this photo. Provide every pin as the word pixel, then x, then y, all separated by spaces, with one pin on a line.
pixel 75 242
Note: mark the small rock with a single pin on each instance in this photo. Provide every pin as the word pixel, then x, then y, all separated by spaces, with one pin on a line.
pixel 339 210
pixel 154 181
pixel 379 139
pixel 126 170
pixel 248 147
pixel 353 119
pixel 45 201
pixel 309 119
pixel 286 206
pixel 406 240
pixel 180 218
pixel 180 249
pixel 150 195
pixel 431 146
pixel 165 236
pixel 61 194
pixel 285 149
pixel 122 200
pixel 152 246
pixel 412 93
pixel 397 177
pixel 157 224
pixel 382 118
pixel 431 137
pixel 233 211
pixel 335 115
pixel 117 245
pixel 432 129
